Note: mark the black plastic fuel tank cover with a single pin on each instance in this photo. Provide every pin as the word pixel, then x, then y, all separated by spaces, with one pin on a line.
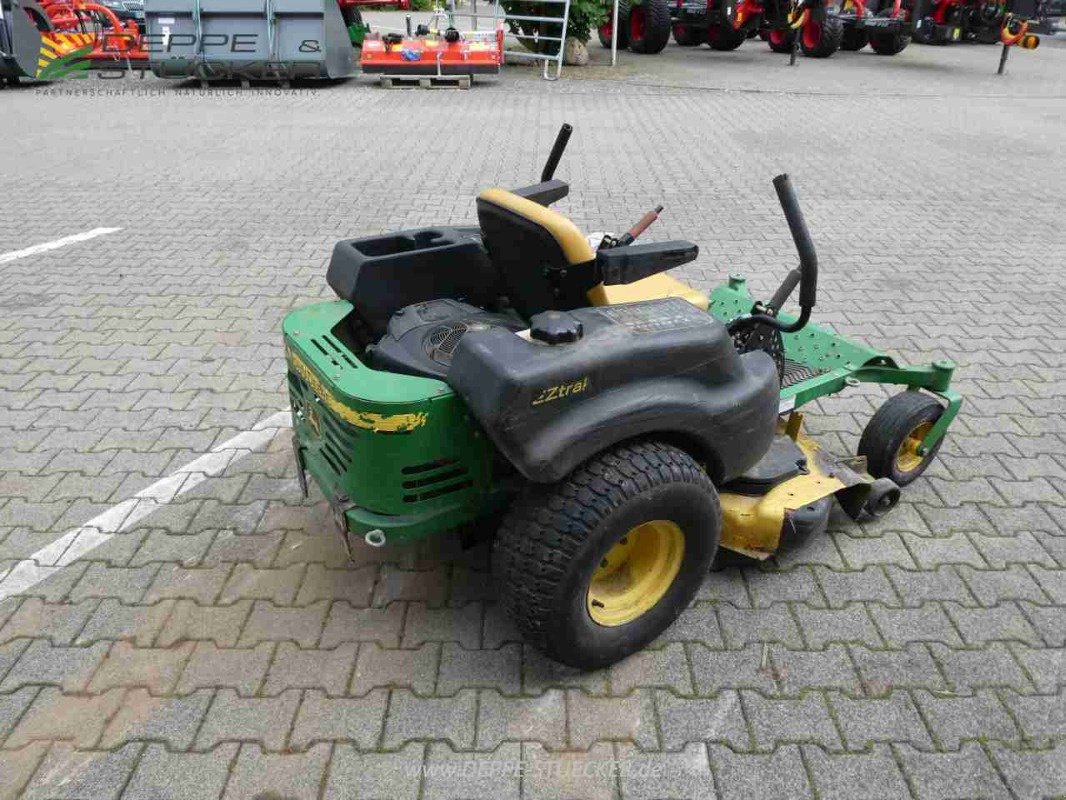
pixel 555 327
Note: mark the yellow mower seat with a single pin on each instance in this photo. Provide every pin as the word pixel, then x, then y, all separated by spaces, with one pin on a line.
pixel 654 288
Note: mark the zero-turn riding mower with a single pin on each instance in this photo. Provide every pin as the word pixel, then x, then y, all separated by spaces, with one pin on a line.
pixel 886 25
pixel 724 24
pixel 588 402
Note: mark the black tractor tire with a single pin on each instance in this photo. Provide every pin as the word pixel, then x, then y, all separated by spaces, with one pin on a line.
pixel 853 39
pixel 725 37
pixel 556 538
pixel 889 43
pixel 889 437
pixel 828 42
pixel 687 36
pixel 604 31
pixel 657 26
pixel 781 41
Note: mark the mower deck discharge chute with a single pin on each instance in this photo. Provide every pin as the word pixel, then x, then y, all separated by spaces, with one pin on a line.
pixel 613 425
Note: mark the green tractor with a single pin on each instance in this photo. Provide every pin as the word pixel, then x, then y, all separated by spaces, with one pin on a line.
pixel 610 425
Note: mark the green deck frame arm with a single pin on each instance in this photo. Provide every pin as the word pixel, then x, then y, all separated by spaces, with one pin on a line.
pixel 839 362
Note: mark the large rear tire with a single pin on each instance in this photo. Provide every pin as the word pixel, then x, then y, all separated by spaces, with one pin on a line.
pixel 649 26
pixel 821 40
pixel 687 36
pixel 781 40
pixel 853 39
pixel 604 31
pixel 725 37
pixel 889 43
pixel 596 566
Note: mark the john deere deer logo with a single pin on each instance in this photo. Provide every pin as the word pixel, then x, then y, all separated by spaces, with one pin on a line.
pixel 63 54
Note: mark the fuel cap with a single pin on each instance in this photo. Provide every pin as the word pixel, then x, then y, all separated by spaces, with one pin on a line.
pixel 555 327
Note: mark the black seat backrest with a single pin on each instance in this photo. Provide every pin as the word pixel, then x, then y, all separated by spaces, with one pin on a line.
pixel 543 260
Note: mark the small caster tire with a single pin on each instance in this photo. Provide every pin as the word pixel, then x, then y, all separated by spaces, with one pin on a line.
pixel 894 434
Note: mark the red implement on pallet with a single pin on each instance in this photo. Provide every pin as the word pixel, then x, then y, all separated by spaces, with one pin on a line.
pixel 434 53
pixel 113 41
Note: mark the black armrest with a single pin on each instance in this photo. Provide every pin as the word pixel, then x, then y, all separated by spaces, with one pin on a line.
pixel 544 193
pixel 617 265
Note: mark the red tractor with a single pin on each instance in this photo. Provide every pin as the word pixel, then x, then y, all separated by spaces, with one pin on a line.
pixel 643 26
pixel 808 24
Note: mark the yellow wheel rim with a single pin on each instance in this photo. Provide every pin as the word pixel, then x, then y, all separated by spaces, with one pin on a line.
pixel 907 458
pixel 635 574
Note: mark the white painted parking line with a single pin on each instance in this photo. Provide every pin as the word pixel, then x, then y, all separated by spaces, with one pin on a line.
pixel 14 255
pixel 76 543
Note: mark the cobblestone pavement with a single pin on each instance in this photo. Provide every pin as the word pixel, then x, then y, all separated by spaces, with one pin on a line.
pixel 224 646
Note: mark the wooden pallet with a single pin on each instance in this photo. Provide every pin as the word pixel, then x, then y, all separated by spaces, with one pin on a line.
pixel 426 81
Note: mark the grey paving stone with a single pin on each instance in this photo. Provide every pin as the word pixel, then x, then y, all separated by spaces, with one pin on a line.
pixel 376 667
pixel 297 668
pixel 887 549
pixel 156 668
pixel 228 545
pixel 954 719
pixel 413 718
pixel 10 653
pixel 931 552
pixel 793 585
pixel 114 621
pixel 842 588
pixel 697 623
pixel 1049 621
pixel 200 584
pixel 68 667
pixel 665 667
pixel 277 585
pixel 58 622
pixel 322 718
pixel 212 667
pixel 270 623
pixel 942 776
pixel 927 623
pixel 1031 774
pixel 258 775
pixel 867 776
pixel 525 719
pixel 916 587
pixel 1041 718
pixel 588 774
pixel 1003 623
pixel 492 776
pixel 352 585
pixel 126 584
pixel 232 718
pixel 500 669
pixel 726 586
pixel 720 719
pixel 893 718
pixel 715 670
pixel 1046 668
pixel 883 671
pixel 427 586
pixel 804 719
pixel 462 625
pixel 69 774
pixel 777 776
pixel 191 622
pixel 595 719
pixel 17 766
pixel 654 775
pixel 540 673
pixel 143 717
pixel 822 626
pixel 746 626
pixel 1013 583
pixel 162 775
pixel 396 776
pixel 971 669
pixel 1022 548
pixel 794 671
pixel 348 624
pixel 165 547
pixel 12 707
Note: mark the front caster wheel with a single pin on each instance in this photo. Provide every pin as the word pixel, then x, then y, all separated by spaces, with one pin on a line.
pixel 596 566
pixel 883 497
pixel 893 437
